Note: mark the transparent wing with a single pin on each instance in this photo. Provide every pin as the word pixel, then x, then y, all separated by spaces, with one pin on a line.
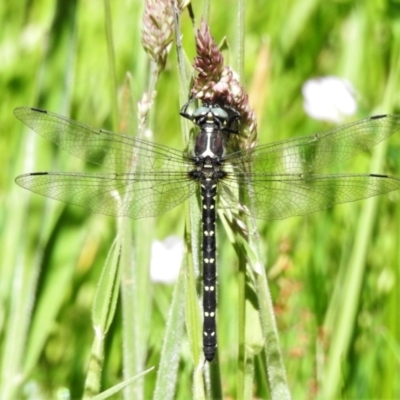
pixel 135 195
pixel 272 197
pixel 115 152
pixel 307 154
pixel 279 174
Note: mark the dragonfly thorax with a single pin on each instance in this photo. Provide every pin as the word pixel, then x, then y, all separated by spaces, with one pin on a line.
pixel 210 142
pixel 207 168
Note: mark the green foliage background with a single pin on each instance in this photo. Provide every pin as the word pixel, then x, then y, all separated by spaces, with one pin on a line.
pixel 54 55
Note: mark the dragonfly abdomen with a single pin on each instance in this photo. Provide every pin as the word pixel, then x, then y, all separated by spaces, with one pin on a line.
pixel 208 195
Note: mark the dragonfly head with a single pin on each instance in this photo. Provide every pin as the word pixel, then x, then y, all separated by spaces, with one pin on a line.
pixel 224 118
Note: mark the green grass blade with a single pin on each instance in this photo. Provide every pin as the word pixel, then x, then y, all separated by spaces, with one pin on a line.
pixel 111 62
pixel 342 333
pixel 167 374
pixel 115 389
pixel 103 312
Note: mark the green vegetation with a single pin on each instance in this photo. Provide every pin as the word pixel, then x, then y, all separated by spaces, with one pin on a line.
pixel 334 275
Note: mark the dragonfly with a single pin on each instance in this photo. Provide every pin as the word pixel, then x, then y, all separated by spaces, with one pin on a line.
pixel 144 179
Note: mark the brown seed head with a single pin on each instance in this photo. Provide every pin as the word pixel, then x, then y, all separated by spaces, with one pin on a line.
pixel 157 30
pixel 216 83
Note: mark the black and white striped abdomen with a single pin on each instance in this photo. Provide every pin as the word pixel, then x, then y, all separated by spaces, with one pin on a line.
pixel 208 194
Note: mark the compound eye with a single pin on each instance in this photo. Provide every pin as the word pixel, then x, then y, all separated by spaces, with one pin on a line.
pixel 200 112
pixel 219 113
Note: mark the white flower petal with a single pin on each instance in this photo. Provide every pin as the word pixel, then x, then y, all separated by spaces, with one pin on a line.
pixel 166 259
pixel 329 98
